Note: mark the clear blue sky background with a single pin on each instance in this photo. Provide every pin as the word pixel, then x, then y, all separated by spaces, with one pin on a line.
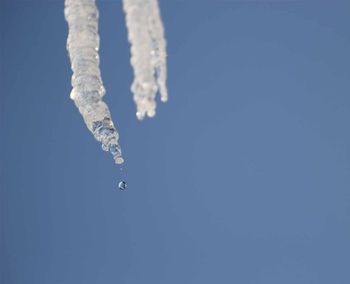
pixel 242 177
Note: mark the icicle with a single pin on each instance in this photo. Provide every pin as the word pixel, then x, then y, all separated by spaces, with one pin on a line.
pixel 88 90
pixel 148 54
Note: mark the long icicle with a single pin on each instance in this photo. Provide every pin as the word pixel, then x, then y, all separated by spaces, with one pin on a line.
pixel 148 54
pixel 88 90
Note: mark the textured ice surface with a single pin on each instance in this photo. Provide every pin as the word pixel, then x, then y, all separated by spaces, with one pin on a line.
pixel 148 58
pixel 82 45
pixel 148 54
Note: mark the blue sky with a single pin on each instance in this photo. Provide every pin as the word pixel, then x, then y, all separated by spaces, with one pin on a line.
pixel 242 177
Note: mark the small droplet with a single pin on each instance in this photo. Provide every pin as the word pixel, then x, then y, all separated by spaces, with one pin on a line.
pixel 122 185
pixel 118 160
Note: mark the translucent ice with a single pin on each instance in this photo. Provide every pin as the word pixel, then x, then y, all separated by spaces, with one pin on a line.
pixel 83 45
pixel 148 54
pixel 148 59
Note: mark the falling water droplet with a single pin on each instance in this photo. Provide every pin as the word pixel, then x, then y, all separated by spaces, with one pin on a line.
pixel 122 185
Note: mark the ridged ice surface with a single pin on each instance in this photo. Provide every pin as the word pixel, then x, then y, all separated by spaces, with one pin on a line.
pixel 148 54
pixel 83 44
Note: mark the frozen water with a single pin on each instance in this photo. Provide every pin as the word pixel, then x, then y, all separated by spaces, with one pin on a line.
pixel 148 54
pixel 83 45
pixel 148 59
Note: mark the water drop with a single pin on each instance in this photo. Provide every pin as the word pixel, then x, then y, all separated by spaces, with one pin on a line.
pixel 122 185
